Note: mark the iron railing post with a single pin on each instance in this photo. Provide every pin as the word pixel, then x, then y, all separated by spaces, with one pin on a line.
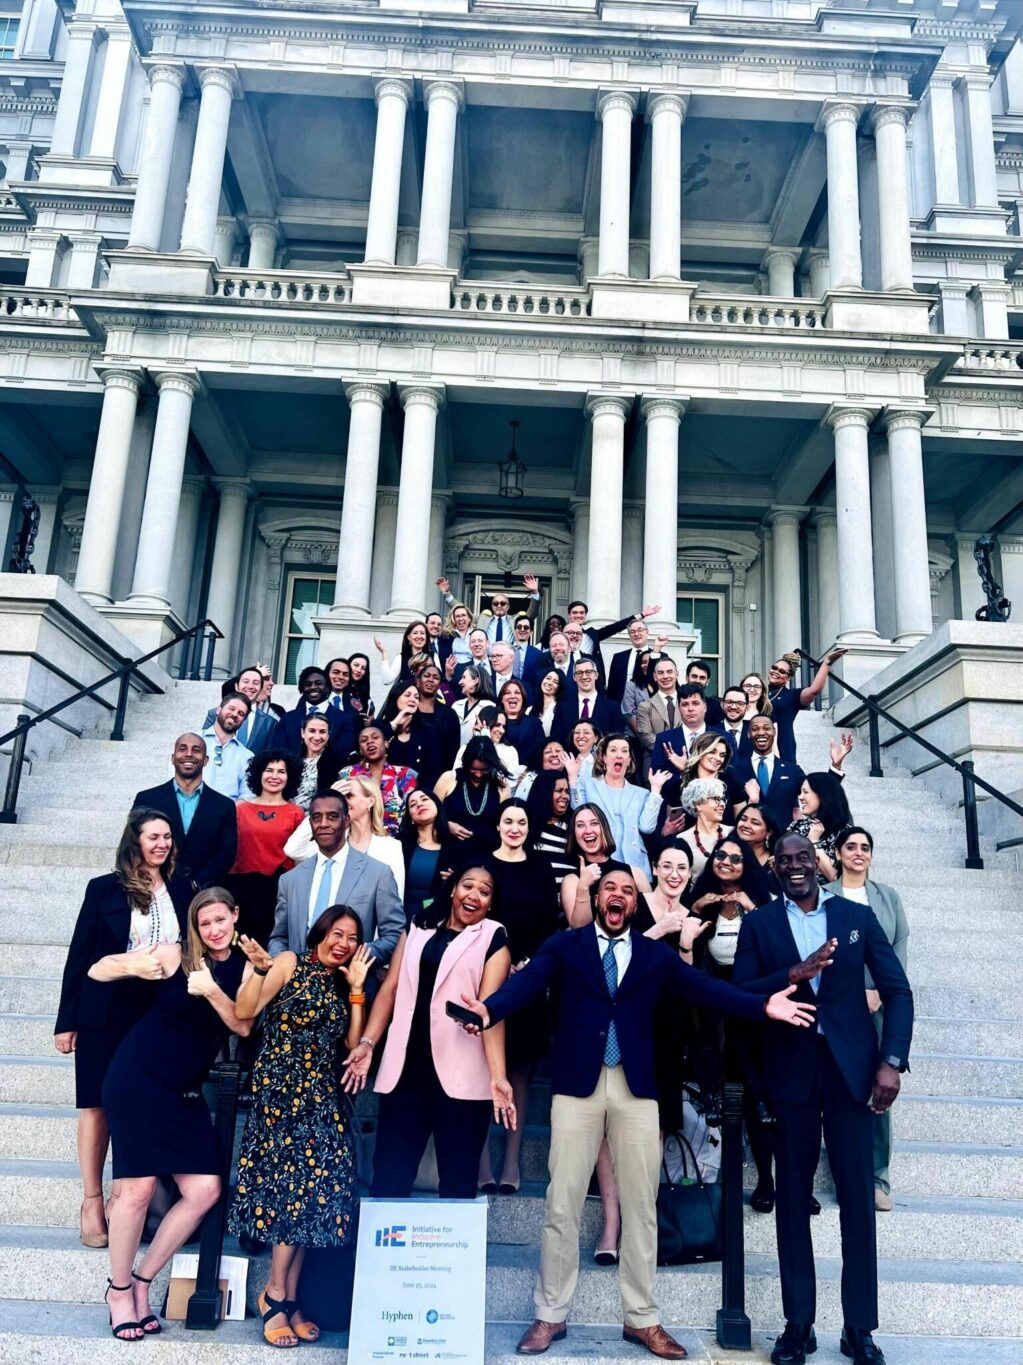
pixel 211 644
pixel 122 705
pixel 875 741
pixel 733 1324
pixel 9 814
pixel 203 1312
pixel 973 858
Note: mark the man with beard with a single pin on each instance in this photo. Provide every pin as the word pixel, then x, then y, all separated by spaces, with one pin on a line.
pixel 606 983
pixel 229 758
pixel 259 730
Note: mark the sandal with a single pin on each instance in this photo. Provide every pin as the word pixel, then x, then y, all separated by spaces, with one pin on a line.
pixel 121 1327
pixel 269 1308
pixel 305 1331
pixel 150 1324
pixel 91 1239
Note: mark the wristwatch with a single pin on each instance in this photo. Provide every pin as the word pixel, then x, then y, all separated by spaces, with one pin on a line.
pixel 896 1062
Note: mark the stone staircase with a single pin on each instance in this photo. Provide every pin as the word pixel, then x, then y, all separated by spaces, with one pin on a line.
pixel 951 1253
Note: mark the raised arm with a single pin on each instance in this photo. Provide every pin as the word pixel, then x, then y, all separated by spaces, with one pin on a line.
pixel 807 695
pixel 268 977
pixel 202 982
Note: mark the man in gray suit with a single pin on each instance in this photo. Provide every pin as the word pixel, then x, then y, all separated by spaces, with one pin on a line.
pixel 338 875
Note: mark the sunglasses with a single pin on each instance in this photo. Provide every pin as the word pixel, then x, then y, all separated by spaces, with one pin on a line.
pixel 734 858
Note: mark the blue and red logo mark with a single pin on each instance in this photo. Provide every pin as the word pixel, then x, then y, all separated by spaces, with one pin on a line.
pixel 390 1237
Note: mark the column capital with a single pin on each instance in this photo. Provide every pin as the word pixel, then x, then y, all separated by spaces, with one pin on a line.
pixel 837 111
pixel 387 497
pixel 942 80
pixel 444 88
pixel 633 511
pixel 397 87
pixel 894 418
pixel 193 487
pixel 1010 545
pixel 975 80
pixel 442 499
pixel 226 77
pixel 822 517
pixel 841 415
pixel 983 289
pixel 263 227
pixel 179 381
pixel 121 377
pixel 667 101
pixel 785 516
pixel 240 489
pixel 653 405
pixel 579 505
pixel 790 254
pixel 167 73
pixel 883 114
pixel 611 99
pixel 365 391
pixel 422 395
pixel 608 404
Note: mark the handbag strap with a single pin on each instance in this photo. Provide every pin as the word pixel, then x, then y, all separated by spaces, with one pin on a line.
pixel 684 1142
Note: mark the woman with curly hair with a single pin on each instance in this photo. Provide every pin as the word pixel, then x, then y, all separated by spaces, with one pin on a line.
pixel 457 625
pixel 704 800
pixel 265 824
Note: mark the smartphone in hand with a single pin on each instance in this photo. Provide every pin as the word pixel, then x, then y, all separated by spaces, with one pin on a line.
pixel 463 1015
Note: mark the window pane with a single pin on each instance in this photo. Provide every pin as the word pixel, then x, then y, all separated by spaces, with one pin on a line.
pixel 707 621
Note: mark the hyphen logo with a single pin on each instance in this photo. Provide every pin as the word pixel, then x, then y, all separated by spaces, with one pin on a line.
pixel 391 1237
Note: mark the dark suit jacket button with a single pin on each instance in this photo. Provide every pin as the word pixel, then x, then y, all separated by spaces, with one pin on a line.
pixel 602 1034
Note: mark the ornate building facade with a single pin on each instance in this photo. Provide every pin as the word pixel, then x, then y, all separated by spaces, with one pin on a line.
pixel 746 274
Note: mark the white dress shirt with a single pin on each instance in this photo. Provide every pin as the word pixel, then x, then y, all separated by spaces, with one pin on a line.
pixel 336 873
pixel 623 952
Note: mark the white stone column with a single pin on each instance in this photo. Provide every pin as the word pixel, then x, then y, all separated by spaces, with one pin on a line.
pixel 73 86
pixel 909 510
pixel 134 498
pixel 393 97
pixel 855 537
pixel 839 123
pixel 411 546
pixel 944 163
pixel 94 578
pixel 607 412
pixel 225 238
pixel 84 262
pixel 580 508
pixel 1010 550
pixel 780 264
pixel 786 588
pixel 443 101
pixel 819 267
pixel 889 122
pixel 980 139
pixel 154 564
pixel 882 532
pixel 44 249
pixel 632 553
pixel 439 504
pixel 358 507
pixel 383 551
pixel 615 109
pixel 405 250
pixel 166 82
pixel 264 236
pixel 826 522
pixel 225 571
pixel 219 88
pixel 39 19
pixel 193 491
pixel 991 299
pixel 955 308
pixel 660 561
pixel 589 257
pixel 665 110
pixel 106 126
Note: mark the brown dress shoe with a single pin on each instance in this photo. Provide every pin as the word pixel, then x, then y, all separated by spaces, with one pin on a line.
pixel 537 1339
pixel 656 1340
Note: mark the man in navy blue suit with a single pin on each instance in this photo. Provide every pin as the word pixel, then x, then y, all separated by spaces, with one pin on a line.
pixel 692 712
pixel 315 700
pixel 606 985
pixel 834 1079
pixel 763 780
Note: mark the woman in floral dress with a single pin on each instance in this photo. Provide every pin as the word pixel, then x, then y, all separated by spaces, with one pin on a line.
pixel 296 1172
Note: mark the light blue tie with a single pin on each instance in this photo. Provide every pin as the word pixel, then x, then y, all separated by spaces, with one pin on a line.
pixel 612 1052
pixel 762 776
pixel 323 891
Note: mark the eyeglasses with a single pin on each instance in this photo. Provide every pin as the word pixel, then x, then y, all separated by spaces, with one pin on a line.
pixel 499 602
pixel 734 858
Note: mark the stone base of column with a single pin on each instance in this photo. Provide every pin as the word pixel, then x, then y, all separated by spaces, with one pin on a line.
pixel 99 172
pixel 404 287
pixel 957 218
pixel 341 636
pixel 148 627
pixel 864 660
pixel 153 273
pixel 856 310
pixel 641 300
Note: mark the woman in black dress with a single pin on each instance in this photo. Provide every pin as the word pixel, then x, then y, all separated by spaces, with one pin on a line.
pixel 359 686
pixel 424 840
pixel 472 795
pixel 548 804
pixel 154 1129
pixel 527 906
pixel 524 733
pixel 126 939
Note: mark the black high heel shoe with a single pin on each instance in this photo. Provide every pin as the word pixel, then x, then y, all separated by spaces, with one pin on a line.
pixel 150 1324
pixel 121 1327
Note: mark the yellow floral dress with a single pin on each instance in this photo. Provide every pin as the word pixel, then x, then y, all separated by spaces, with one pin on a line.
pixel 296 1171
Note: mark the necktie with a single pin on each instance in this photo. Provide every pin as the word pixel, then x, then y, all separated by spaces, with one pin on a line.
pixel 612 1052
pixel 335 701
pixel 499 636
pixel 323 891
pixel 763 777
pixel 671 712
pixel 586 709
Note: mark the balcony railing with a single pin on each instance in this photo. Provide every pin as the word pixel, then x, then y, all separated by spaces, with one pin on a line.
pixel 519 301
pixel 738 310
pixel 37 305
pixel 283 286
pixel 1006 357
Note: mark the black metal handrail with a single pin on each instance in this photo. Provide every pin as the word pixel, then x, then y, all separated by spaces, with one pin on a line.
pixel 188 668
pixel 203 1312
pixel 965 769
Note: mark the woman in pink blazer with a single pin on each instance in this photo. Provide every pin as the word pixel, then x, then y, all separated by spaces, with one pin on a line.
pixel 435 1079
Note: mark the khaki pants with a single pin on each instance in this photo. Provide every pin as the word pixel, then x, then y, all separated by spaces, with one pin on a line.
pixel 577 1128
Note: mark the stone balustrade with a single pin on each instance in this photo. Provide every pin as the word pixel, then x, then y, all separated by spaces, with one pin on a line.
pixel 737 310
pixel 283 286
pixel 517 301
pixel 37 305
pixel 984 357
pixel 1016 299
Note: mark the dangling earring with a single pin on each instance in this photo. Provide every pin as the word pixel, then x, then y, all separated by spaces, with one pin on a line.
pixel 236 939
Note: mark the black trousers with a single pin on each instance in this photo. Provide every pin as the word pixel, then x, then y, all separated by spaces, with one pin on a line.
pixel 848 1127
pixel 414 1110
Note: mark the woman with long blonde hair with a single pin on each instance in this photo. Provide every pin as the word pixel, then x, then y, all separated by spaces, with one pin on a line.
pixel 367 831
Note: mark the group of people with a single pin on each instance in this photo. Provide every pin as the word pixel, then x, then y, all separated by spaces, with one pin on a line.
pixel 607 870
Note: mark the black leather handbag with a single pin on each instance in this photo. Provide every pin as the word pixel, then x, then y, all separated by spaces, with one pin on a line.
pixel 688 1218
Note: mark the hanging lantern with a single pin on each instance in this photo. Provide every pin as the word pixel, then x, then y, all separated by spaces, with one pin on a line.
pixel 512 470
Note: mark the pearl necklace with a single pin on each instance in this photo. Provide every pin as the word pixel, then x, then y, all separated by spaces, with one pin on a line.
pixel 468 804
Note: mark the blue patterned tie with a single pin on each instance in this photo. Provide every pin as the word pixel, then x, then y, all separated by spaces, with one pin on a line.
pixel 612 1052
pixel 762 776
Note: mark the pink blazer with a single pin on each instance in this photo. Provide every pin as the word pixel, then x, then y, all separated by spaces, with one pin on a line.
pixel 458 1056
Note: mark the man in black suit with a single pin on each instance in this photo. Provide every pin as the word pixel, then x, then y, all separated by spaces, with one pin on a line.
pixel 314 686
pixel 557 655
pixel 733 722
pixel 769 782
pixel 697 672
pixel 834 1078
pixel 593 635
pixel 527 656
pixel 438 645
pixel 203 822
pixel 692 712
pixel 623 663
pixel 584 702
pixel 606 983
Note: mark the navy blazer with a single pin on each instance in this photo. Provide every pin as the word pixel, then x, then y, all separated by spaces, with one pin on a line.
pixel 766 950
pixel 583 1008
pixel 780 801
pixel 344 728
pixel 605 714
pixel 672 789
pixel 205 855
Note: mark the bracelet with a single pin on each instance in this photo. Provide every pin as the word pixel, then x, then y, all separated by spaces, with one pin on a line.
pixel 354 999
pixel 260 971
pixel 368 1041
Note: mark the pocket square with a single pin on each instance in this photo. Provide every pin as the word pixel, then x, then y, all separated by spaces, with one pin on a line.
pixel 854 937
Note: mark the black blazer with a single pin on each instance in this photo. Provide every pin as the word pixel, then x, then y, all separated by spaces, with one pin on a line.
pixel 206 853
pixel 605 714
pixel 745 744
pixel 780 801
pixel 766 950
pixel 101 930
pixel 527 738
pixel 344 728
pixel 583 1008
pixel 618 674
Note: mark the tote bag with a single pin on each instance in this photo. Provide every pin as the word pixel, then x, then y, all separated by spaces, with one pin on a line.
pixel 688 1218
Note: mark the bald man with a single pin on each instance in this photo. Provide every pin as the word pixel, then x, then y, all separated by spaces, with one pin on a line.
pixel 203 822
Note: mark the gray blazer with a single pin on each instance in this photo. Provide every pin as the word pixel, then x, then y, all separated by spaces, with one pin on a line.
pixel 886 904
pixel 264 729
pixel 367 886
